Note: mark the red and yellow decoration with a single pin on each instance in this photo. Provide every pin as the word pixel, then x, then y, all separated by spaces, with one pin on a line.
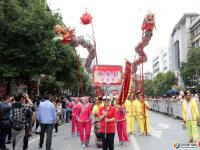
pixel 66 35
pixel 126 84
pixel 147 28
pixel 86 18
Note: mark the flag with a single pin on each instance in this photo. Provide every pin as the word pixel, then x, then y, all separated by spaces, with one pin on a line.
pixel 126 84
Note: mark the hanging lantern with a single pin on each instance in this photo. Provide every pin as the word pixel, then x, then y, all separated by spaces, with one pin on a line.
pixel 86 18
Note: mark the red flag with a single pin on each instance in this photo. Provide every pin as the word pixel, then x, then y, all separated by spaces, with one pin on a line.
pixel 126 84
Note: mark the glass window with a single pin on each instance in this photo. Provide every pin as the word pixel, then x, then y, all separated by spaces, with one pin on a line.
pixel 177 54
pixel 156 65
pixel 156 70
pixel 197 44
pixel 198 29
pixel 193 45
pixel 193 34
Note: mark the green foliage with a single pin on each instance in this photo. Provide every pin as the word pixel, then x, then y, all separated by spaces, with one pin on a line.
pixel 87 84
pixel 27 48
pixel 148 90
pixel 190 71
pixel 161 83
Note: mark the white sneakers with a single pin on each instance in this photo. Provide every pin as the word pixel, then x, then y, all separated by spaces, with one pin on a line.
pixel 83 145
pixel 56 134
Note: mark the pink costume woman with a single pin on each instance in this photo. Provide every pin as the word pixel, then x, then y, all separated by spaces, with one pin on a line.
pixel 120 115
pixel 75 110
pixel 84 112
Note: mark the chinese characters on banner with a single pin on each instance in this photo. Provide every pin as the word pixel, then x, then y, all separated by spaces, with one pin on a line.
pixel 107 75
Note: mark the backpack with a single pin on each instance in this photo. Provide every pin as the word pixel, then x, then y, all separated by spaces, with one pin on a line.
pixel 18 117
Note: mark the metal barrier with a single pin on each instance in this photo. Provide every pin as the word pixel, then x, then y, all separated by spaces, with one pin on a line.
pixel 167 107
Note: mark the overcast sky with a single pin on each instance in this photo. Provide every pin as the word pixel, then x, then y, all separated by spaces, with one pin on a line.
pixel 117 25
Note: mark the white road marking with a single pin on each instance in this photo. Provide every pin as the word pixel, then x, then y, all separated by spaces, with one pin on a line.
pixel 163 126
pixel 135 143
pixel 156 133
pixel 34 140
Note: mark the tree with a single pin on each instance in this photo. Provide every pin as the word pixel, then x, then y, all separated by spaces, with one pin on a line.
pixel 26 46
pixel 87 84
pixel 190 71
pixel 68 75
pixel 163 82
pixel 148 87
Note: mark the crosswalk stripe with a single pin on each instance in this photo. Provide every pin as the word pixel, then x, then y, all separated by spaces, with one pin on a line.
pixel 156 133
pixel 135 143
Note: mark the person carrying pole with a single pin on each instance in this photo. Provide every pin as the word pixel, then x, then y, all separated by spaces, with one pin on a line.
pixel 121 124
pixel 143 115
pixel 107 124
pixel 130 106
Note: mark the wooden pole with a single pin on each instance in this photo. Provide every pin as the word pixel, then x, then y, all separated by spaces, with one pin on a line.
pixel 143 100
pixel 94 43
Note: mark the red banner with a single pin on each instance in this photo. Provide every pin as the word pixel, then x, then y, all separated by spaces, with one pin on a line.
pixel 115 92
pixel 126 84
pixel 107 75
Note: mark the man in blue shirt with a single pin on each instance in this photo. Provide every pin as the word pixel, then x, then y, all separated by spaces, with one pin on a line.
pixel 47 117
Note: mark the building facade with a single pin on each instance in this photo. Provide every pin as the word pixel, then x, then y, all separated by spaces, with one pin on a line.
pixel 185 36
pixel 195 33
pixel 160 62
pixel 180 41
pixel 148 76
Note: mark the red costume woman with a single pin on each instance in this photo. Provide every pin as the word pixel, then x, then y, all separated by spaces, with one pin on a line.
pixel 84 112
pixel 107 126
pixel 121 124
pixel 75 109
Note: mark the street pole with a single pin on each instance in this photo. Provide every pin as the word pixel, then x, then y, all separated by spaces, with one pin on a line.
pixel 106 112
pixel 94 43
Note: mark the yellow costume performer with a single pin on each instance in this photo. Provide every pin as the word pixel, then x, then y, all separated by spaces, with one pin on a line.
pixel 190 116
pixel 141 116
pixel 130 106
pixel 96 107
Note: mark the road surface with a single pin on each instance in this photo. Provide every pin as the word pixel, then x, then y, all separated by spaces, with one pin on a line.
pixel 166 131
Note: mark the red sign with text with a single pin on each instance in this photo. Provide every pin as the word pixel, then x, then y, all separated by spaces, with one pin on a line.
pixel 107 75
pixel 115 92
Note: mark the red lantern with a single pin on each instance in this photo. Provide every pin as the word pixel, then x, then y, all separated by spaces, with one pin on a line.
pixel 86 18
